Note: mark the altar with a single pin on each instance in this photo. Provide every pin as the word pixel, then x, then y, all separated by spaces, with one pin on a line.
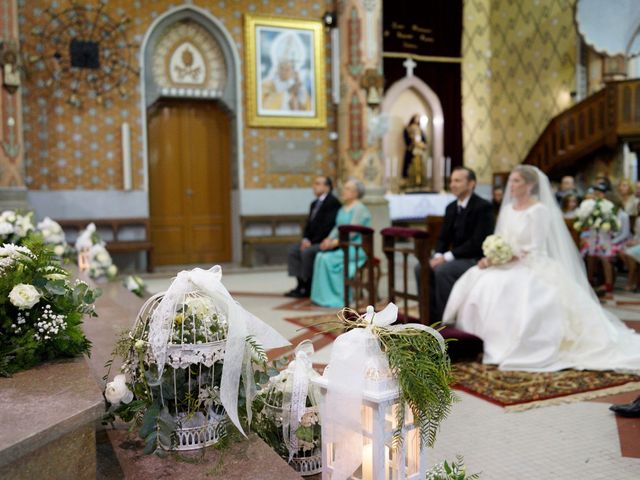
pixel 417 205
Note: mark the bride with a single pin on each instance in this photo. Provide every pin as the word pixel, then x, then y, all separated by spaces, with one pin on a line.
pixel 538 312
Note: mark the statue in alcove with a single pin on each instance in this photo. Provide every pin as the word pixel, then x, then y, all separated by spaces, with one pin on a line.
pixel 415 147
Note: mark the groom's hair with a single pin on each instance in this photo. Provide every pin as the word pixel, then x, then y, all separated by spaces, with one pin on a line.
pixel 471 175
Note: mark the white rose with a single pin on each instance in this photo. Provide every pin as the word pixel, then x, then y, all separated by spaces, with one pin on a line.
pixel 117 391
pixel 24 296
pixel 58 250
pixel 131 284
pixel 112 271
pixel 46 233
pixel 606 226
pixel 8 216
pixel 102 257
pixel 6 228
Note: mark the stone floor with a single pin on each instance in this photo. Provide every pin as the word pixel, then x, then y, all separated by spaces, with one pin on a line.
pixel 580 440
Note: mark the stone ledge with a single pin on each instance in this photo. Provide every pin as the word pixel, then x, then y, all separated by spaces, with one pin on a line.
pixel 251 458
pixel 41 405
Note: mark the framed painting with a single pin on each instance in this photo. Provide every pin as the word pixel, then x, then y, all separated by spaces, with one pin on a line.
pixel 286 83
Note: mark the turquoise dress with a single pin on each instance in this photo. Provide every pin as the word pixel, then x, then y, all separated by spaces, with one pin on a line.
pixel 327 286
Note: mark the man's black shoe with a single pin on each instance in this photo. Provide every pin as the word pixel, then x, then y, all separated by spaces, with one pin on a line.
pixel 627 410
pixel 295 293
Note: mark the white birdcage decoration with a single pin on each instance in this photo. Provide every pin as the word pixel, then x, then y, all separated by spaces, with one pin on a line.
pixel 189 382
pixel 289 417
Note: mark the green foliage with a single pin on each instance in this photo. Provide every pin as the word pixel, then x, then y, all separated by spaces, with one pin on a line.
pixel 22 343
pixel 451 471
pixel 423 371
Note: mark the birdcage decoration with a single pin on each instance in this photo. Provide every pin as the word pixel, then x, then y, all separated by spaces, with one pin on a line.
pixel 288 416
pixel 189 383
pixel 188 363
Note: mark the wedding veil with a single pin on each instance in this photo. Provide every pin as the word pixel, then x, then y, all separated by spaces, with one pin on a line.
pixel 559 244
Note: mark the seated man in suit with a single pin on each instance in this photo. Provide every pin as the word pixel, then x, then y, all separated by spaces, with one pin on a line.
pixel 322 218
pixel 467 222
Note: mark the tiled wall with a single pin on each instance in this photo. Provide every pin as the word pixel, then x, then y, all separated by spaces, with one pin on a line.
pixel 79 148
pixel 518 71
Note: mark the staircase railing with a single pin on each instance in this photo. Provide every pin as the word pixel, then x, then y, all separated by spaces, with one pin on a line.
pixel 600 120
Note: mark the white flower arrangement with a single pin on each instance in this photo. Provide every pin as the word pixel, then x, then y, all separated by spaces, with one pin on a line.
pixel 598 215
pixel 54 236
pixel 134 284
pixel 100 262
pixel 15 226
pixel 497 250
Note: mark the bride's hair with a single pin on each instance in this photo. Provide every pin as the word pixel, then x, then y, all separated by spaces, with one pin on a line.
pixel 530 177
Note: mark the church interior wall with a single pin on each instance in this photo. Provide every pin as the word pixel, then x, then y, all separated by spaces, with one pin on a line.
pixel 69 150
pixel 519 62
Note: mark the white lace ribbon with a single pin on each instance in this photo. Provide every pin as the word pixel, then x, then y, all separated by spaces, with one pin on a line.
pixel 342 411
pixel 294 398
pixel 241 324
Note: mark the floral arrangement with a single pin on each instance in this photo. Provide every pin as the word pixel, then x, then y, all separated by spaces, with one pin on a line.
pixel 99 259
pixel 290 422
pixel 174 386
pixel 134 284
pixel 54 236
pixel 497 250
pixel 450 471
pixel 41 310
pixel 598 215
pixel 15 226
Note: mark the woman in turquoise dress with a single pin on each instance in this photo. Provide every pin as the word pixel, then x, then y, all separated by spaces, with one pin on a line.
pixel 327 286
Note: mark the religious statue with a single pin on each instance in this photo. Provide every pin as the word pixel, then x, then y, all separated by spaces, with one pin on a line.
pixel 416 146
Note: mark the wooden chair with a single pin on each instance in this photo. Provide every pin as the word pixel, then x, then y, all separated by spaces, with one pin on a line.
pixel 366 277
pixel 434 225
pixel 466 346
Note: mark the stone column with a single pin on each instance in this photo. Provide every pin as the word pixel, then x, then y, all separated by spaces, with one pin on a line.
pixel 360 24
pixel 13 192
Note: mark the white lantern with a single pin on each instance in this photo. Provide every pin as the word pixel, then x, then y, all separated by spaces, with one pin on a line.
pixel 380 460
pixel 359 406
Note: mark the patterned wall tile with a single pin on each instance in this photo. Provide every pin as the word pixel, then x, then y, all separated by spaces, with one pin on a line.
pixel 71 148
pixel 518 69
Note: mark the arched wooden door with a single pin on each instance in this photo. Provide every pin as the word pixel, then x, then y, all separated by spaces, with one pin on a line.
pixel 189 182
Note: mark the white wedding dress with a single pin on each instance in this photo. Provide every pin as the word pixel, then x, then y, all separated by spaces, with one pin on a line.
pixel 533 313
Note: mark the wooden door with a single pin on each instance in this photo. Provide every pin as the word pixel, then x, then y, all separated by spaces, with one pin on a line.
pixel 189 182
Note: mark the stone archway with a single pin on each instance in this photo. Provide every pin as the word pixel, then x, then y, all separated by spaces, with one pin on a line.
pixel 188 36
pixel 421 90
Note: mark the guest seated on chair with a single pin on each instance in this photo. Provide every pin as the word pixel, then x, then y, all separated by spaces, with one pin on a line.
pixel 467 222
pixel 322 218
pixel 327 287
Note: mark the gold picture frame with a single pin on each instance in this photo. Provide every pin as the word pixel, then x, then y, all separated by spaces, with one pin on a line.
pixel 285 65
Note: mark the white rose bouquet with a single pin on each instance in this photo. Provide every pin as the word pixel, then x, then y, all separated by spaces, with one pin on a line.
pixel 41 311
pixel 497 250
pixel 598 215
pixel 15 226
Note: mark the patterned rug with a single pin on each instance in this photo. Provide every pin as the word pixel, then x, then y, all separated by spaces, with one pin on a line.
pixel 519 391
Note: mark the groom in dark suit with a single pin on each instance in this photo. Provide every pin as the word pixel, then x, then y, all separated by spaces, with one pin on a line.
pixel 322 218
pixel 467 222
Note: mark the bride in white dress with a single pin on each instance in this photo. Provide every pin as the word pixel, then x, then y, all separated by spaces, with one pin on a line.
pixel 538 312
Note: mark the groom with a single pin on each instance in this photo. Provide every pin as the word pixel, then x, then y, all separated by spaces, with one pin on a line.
pixel 467 222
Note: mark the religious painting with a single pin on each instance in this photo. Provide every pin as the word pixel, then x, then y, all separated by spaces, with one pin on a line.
pixel 285 72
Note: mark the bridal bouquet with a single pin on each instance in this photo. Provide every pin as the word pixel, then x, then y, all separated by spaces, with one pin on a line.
pixel 497 250
pixel 41 310
pixel 598 215
pixel 15 226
